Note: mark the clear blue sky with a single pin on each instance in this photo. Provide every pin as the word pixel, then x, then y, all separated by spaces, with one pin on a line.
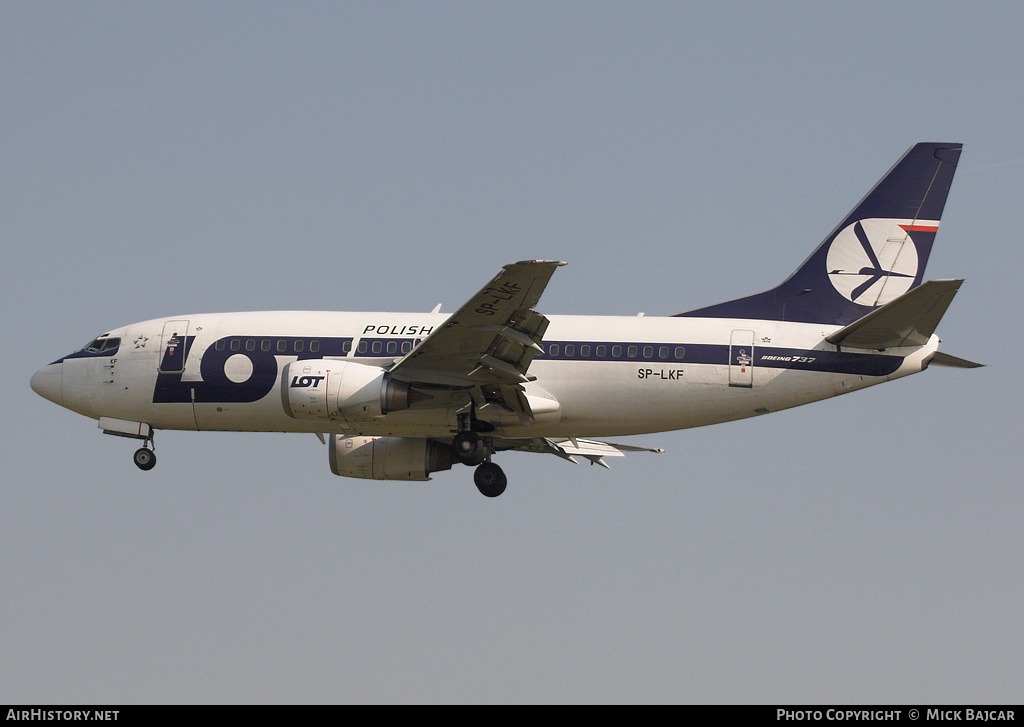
pixel 172 158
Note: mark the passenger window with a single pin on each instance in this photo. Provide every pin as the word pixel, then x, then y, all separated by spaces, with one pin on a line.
pixel 346 347
pixel 282 345
pixel 219 345
pixel 250 345
pixel 680 352
pixel 299 345
pixel 631 352
pixel 601 350
pixel 553 349
pixel 570 350
pixel 663 352
pixel 264 345
pixel 376 347
pixel 362 347
pixel 406 346
pixel 616 351
pixel 585 351
pixel 392 347
pixel 236 345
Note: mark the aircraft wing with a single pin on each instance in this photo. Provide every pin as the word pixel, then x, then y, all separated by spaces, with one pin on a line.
pixel 491 340
pixel 567 448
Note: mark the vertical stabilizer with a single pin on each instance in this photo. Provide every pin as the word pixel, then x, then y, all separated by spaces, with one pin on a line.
pixel 876 254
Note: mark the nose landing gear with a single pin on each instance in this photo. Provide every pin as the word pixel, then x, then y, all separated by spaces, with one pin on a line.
pixel 145 458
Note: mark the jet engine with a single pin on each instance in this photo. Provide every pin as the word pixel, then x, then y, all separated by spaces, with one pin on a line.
pixel 342 391
pixel 388 458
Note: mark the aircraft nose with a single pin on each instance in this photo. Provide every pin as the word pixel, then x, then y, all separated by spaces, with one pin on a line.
pixel 47 383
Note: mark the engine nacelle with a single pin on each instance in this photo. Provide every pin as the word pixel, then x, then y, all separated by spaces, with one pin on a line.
pixel 387 458
pixel 326 390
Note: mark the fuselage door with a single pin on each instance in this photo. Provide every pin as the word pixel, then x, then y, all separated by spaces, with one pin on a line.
pixel 172 344
pixel 741 359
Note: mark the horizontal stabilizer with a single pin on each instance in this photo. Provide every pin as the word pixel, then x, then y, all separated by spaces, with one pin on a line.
pixel 909 320
pixel 944 359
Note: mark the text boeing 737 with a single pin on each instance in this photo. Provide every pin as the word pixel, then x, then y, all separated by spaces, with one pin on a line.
pixel 406 394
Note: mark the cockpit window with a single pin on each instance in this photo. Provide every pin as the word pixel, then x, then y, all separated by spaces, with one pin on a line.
pixel 101 344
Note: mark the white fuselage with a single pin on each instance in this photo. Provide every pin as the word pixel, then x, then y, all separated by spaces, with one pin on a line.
pixel 598 375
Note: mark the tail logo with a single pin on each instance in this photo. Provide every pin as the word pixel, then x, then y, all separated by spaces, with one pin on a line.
pixel 873 261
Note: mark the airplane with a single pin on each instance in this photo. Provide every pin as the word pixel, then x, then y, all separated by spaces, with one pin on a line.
pixel 404 395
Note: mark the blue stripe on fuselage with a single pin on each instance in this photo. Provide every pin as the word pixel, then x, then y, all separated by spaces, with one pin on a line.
pixel 216 387
pixel 838 362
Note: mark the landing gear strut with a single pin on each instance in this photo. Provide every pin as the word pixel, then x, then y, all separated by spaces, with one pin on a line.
pixel 489 479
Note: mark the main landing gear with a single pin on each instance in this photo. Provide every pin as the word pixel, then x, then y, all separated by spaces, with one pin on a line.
pixel 489 479
pixel 471 449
